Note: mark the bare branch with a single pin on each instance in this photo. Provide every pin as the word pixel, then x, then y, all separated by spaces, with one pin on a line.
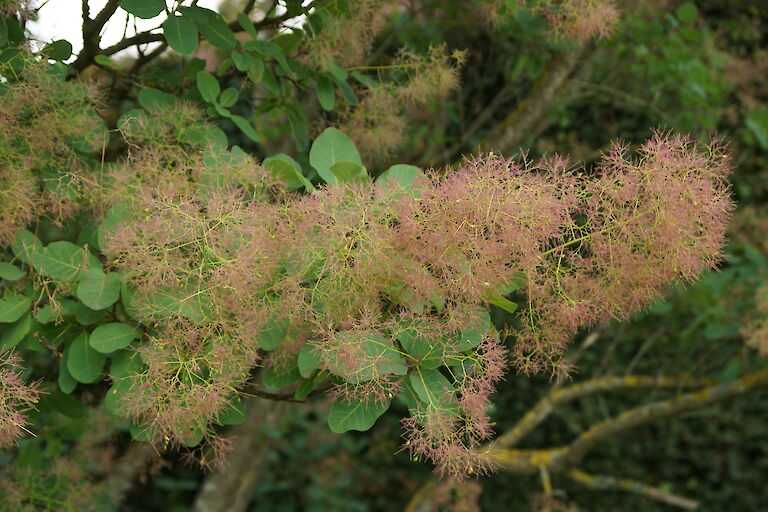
pixel 230 487
pixel 604 482
pixel 655 411
pixel 92 32
pixel 558 397
pixel 564 459
pixel 526 118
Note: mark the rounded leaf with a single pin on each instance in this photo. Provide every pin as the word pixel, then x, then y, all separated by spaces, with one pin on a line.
pixel 355 415
pixel 13 306
pixel 330 147
pixel 10 272
pixel 181 34
pixel 208 86
pixel 113 336
pixel 83 362
pixel 144 9
pixel 98 290
pixel 61 260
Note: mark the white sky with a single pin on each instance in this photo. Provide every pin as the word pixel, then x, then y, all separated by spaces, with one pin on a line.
pixel 63 19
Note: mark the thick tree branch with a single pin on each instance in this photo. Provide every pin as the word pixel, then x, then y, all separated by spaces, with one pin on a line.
pixel 558 397
pixel 655 411
pixel 565 459
pixel 229 488
pixel 92 32
pixel 527 117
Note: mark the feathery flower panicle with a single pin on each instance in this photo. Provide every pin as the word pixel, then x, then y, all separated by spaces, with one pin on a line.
pixel 581 20
pixel 339 239
pixel 578 20
pixel 366 358
pixel 450 429
pixel 474 230
pixel 191 372
pixel 378 123
pixel 431 77
pixel 19 200
pixel 347 33
pixel 435 436
pixel 647 223
pixel 46 124
pixel 16 397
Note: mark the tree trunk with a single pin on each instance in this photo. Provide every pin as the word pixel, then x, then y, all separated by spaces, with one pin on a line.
pixel 229 488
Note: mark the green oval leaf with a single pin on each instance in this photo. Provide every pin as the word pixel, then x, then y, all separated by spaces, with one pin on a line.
pixel 15 332
pixel 378 357
pixel 402 177
pixel 13 306
pixel 124 364
pixel 348 172
pixel 288 170
pixel 247 25
pixel 66 382
pixel 331 147
pixel 233 413
pixel 309 361
pixel 181 34
pixel 58 50
pixel 155 101
pixel 25 245
pixel 83 362
pixel 432 387
pixel 98 290
pixel 61 260
pixel 144 9
pixel 208 86
pixel 277 378
pixel 10 272
pixel 326 93
pixel 687 13
pixel 273 334
pixel 217 32
pixel 356 415
pixel 245 127
pixel 114 336
pixel 228 97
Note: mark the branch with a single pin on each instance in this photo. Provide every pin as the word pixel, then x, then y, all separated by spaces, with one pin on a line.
pixel 603 482
pixel 655 411
pixel 92 32
pixel 89 52
pixel 146 59
pixel 230 488
pixel 141 38
pixel 564 459
pixel 287 396
pixel 527 117
pixel 249 5
pixel 558 397
pixel 127 468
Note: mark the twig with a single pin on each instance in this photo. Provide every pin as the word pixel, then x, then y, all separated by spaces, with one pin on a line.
pixel 604 482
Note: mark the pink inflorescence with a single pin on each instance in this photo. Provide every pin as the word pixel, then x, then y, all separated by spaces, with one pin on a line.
pixel 384 287
pixel 16 397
